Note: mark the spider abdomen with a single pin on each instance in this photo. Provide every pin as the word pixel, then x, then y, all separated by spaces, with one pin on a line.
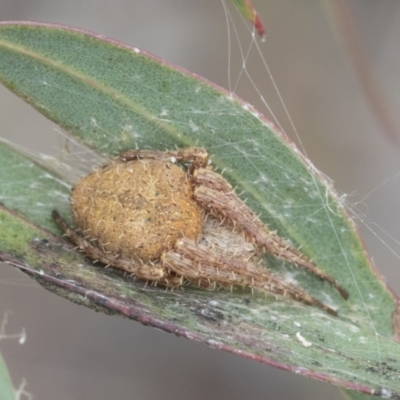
pixel 136 210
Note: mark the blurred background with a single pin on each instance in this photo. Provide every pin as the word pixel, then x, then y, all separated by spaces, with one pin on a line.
pixel 337 66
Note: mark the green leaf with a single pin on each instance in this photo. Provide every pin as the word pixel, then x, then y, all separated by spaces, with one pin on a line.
pixel 6 387
pixel 113 98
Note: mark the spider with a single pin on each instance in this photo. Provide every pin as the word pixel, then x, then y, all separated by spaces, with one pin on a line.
pixel 144 214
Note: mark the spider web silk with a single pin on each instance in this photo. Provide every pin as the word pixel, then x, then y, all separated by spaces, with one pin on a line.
pixel 285 120
pixel 74 160
pixel 369 227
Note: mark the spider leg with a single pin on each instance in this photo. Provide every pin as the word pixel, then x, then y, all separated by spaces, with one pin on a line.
pixel 149 272
pixel 196 155
pixel 197 263
pixel 214 193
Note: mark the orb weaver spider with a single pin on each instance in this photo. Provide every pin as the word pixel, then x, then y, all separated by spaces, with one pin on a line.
pixel 146 215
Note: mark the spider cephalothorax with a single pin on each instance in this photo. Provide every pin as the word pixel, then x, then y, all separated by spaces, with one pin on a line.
pixel 144 214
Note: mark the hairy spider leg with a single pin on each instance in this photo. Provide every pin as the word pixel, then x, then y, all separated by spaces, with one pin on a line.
pixel 196 263
pixel 216 195
pixel 150 272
